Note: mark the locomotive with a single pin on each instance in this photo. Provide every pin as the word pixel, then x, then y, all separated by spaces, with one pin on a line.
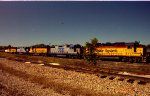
pixel 124 51
pixel 66 50
pixel 129 52
pixel 16 50
pixel 11 50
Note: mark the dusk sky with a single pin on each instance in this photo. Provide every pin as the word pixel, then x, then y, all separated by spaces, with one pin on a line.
pixel 29 23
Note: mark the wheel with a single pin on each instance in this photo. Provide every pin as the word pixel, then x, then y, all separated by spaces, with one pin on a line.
pixel 124 59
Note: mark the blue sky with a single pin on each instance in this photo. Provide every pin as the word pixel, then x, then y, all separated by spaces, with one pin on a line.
pixel 29 23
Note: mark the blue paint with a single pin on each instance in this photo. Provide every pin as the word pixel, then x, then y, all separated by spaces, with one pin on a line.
pixel 29 23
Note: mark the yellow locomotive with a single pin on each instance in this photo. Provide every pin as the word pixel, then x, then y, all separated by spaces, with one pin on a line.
pixel 11 50
pixel 133 52
pixel 39 50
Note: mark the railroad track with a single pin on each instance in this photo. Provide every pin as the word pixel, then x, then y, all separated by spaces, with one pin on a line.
pixel 109 74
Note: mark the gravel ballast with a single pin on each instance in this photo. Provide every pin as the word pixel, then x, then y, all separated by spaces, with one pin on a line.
pixel 34 80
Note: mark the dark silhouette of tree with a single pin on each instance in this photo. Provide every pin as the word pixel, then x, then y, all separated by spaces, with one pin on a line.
pixel 148 45
pixel 40 45
pixel 90 54
pixel 9 46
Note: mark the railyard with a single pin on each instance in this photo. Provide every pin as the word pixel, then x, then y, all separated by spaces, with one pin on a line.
pixel 24 75
pixel 74 48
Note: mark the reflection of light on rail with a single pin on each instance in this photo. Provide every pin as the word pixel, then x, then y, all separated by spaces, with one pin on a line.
pixel 41 64
pixel 54 63
pixel 27 62
pixel 130 74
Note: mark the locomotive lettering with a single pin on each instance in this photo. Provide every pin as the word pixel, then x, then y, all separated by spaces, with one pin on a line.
pixel 106 50
pixel 110 50
pixel 100 50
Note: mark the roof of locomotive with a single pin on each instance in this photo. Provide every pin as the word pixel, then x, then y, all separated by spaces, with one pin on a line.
pixel 120 44
pixel 68 45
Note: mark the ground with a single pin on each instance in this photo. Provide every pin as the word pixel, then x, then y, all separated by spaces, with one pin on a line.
pixel 31 79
